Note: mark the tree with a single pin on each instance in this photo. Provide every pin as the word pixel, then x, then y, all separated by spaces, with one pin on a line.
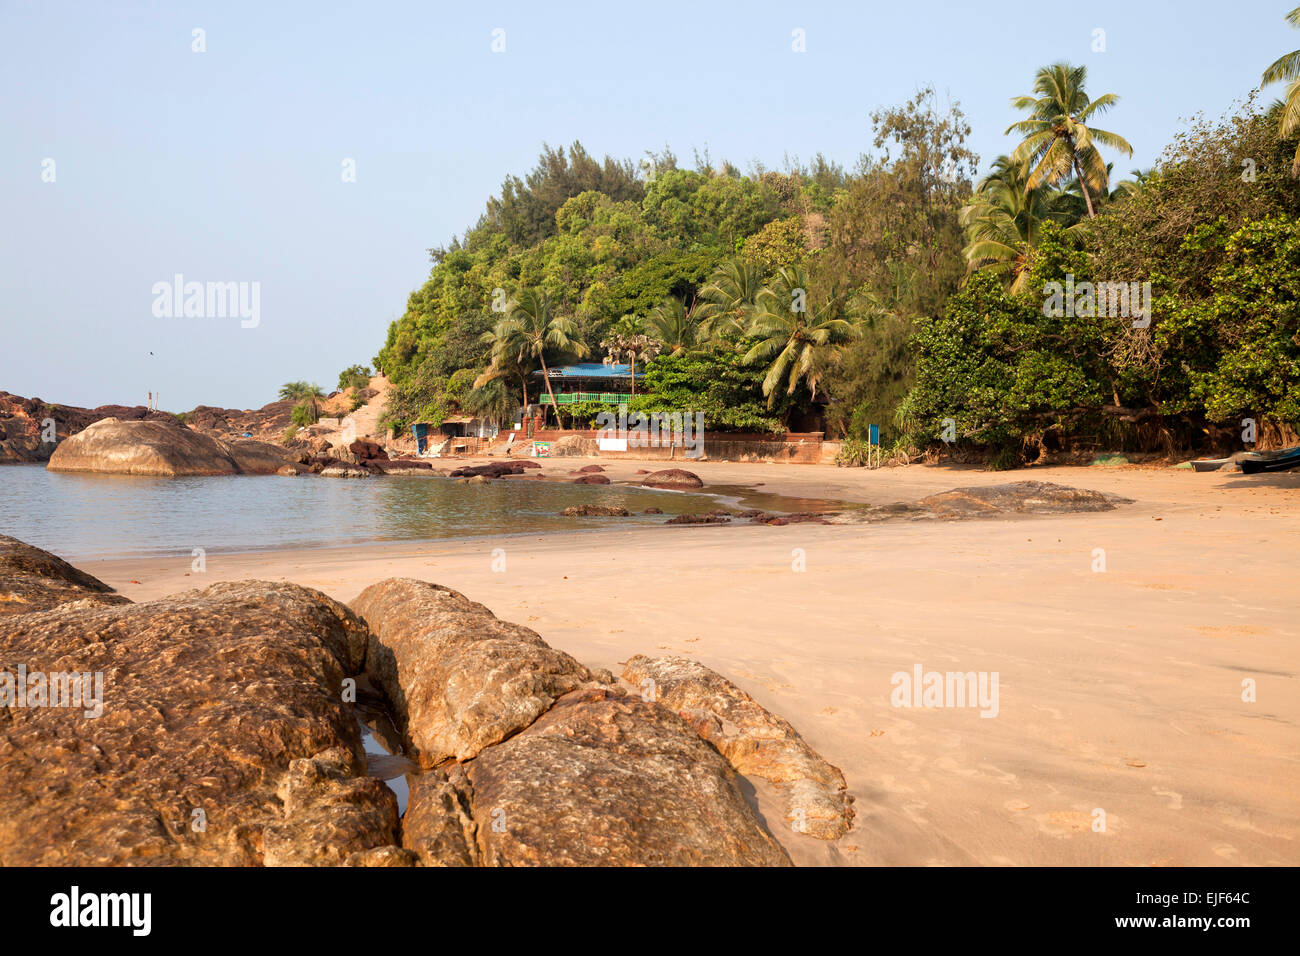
pixel 800 345
pixel 305 394
pixel 729 299
pixel 1058 142
pixel 1004 219
pixel 354 376
pixel 673 325
pixel 1283 69
pixel 531 328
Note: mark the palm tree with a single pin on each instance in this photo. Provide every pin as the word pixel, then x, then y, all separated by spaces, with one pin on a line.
pixel 673 325
pixel 1288 68
pixel 305 394
pixel 728 299
pixel 801 345
pixel 530 325
pixel 1058 142
pixel 508 355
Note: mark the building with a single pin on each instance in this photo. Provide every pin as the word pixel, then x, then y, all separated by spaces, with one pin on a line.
pixel 610 384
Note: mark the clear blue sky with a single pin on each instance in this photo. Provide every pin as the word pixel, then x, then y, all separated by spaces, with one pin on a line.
pixel 226 165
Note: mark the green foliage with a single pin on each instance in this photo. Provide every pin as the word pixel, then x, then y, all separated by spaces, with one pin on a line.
pixel 718 384
pixel 302 415
pixel 853 453
pixel 354 376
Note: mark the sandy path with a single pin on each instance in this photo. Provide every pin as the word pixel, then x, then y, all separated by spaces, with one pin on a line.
pixel 1118 691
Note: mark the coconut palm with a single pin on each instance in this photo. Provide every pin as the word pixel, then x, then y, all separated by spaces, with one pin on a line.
pixel 1058 142
pixel 1283 69
pixel 1005 216
pixel 531 326
pixel 728 299
pixel 508 356
pixel 800 344
pixel 673 325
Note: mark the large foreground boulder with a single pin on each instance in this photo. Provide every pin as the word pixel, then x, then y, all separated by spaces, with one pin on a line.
pixel 207 728
pixel 755 741
pixel 35 580
pixel 160 448
pixel 599 779
pixel 458 678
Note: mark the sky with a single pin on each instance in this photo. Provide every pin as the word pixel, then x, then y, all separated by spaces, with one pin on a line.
pixel 128 157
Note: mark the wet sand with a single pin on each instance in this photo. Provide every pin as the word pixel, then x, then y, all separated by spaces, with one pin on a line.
pixel 1119 691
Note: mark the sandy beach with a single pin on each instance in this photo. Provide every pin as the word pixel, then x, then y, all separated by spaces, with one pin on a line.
pixel 1119 691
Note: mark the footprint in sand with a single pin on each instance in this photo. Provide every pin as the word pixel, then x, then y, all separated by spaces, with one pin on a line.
pixel 1016 805
pixel 1225 850
pixel 1135 763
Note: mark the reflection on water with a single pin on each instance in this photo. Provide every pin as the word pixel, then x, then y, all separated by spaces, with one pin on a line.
pixel 81 516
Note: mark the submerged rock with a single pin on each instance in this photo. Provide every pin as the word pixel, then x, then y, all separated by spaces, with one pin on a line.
pixel 591 480
pixel 222 739
pixel 600 779
pixel 698 519
pixel 754 741
pixel 594 511
pixel 35 580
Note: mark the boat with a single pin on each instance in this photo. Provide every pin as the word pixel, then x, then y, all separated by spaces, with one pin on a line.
pixel 1210 464
pixel 1282 460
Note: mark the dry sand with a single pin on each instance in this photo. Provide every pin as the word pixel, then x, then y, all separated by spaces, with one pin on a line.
pixel 1118 691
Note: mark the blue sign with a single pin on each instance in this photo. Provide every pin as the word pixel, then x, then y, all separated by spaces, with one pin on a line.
pixel 874 434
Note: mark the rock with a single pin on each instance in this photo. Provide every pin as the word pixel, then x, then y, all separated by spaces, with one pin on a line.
pixel 653 511
pixel 600 779
pixel 594 511
pixel 24 425
pixel 754 741
pixel 479 480
pixel 496 469
pixel 528 464
pixel 258 457
pixel 588 469
pixel 672 478
pixel 159 448
pixel 591 480
pixel 288 471
pixel 400 466
pixel 35 580
pixel 642 471
pixel 343 470
pixel 226 700
pixel 457 678
pixel 698 519
pixel 1020 497
pixel 365 450
pixel 798 517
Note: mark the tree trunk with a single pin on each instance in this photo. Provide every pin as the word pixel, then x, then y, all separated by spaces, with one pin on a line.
pixel 1087 197
pixel 546 377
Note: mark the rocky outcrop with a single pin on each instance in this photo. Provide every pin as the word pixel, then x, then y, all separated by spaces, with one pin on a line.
pixel 672 478
pixel 495 469
pixel 160 448
pixel 24 425
pixel 600 779
pixel 574 446
pixel 698 519
pixel 754 741
pixel 986 501
pixel 458 678
pixel 339 469
pixel 591 480
pixel 595 511
pixel 35 580
pixel 222 736
pixel 258 457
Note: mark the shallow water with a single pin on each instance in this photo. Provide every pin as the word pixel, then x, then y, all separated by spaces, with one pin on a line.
pixel 85 516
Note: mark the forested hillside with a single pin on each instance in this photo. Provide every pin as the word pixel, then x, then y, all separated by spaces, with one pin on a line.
pixel 902 291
